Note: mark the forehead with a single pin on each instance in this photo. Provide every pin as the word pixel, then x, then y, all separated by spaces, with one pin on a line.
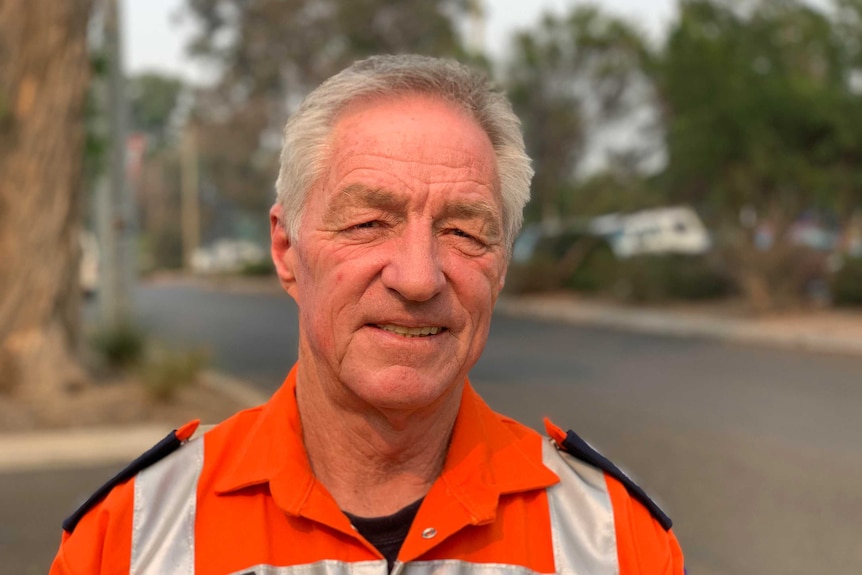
pixel 413 132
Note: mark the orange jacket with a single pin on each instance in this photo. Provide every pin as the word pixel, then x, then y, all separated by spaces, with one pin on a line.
pixel 242 499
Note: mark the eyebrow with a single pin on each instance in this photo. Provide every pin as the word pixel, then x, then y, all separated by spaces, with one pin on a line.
pixel 359 195
pixel 362 196
pixel 481 210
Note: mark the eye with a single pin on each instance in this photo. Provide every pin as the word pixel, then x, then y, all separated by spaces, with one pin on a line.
pixel 462 234
pixel 367 230
pixel 467 242
pixel 365 225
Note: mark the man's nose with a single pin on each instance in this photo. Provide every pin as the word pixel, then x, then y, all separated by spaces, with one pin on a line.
pixel 414 269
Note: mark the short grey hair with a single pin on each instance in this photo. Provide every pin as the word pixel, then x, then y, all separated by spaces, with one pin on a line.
pixel 305 151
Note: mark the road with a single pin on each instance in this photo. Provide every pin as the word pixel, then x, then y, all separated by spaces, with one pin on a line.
pixel 755 453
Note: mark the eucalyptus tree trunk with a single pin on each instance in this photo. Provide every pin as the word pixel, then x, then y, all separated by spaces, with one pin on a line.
pixel 44 72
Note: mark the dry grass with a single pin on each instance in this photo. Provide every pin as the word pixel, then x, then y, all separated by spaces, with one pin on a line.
pixel 118 400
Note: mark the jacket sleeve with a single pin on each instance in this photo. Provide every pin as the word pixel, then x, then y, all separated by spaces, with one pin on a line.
pixel 644 547
pixel 101 542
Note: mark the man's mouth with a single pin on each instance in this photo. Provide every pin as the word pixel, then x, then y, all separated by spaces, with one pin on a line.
pixel 410 331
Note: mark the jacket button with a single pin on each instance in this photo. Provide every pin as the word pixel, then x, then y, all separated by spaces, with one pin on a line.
pixel 429 533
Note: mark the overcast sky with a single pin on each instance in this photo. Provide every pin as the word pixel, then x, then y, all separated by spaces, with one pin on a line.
pixel 156 31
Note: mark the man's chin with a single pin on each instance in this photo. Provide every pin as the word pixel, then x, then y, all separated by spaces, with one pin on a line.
pixel 397 387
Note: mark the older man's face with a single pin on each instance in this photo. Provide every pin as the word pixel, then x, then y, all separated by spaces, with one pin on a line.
pixel 400 255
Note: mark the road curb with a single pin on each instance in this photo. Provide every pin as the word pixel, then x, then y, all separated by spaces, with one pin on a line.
pixel 662 322
pixel 243 393
pixel 642 320
pixel 91 446
pixel 85 447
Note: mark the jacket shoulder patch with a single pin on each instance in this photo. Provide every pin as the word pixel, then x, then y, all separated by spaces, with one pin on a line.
pixel 173 441
pixel 577 447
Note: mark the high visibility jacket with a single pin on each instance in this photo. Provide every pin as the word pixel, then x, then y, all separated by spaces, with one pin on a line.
pixel 242 499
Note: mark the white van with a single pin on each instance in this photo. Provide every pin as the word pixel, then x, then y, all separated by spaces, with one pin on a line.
pixel 655 231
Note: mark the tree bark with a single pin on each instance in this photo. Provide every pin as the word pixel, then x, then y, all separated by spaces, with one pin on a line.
pixel 44 73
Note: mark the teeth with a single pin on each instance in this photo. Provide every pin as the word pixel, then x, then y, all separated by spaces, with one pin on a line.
pixel 410 331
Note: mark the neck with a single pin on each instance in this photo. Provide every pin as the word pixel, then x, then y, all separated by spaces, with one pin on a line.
pixel 373 462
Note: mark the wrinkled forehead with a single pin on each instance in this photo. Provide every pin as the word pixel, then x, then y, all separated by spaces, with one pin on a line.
pixel 414 128
pixel 393 99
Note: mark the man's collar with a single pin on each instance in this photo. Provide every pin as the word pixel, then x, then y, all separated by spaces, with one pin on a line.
pixel 272 447
pixel 488 456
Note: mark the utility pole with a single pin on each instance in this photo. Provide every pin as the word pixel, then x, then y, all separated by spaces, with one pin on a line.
pixel 190 203
pixel 115 209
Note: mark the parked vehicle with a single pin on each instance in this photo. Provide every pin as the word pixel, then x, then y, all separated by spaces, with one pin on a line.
pixel 671 230
pixel 227 256
pixel 657 254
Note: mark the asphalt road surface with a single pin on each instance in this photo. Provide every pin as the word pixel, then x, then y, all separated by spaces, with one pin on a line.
pixel 755 453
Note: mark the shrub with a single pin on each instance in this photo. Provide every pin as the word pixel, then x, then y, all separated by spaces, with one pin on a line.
pixel 570 260
pixel 120 346
pixel 655 278
pixel 582 262
pixel 258 268
pixel 598 271
pixel 165 371
pixel 538 275
pixel 846 283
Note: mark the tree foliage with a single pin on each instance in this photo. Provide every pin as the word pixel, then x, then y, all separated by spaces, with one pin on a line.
pixel 280 47
pixel 568 76
pixel 153 100
pixel 761 114
pixel 270 53
pixel 755 105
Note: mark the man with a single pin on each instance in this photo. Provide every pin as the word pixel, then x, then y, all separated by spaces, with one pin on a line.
pixel 401 189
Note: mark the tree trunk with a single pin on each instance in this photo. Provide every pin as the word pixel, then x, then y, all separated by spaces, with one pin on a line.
pixel 44 73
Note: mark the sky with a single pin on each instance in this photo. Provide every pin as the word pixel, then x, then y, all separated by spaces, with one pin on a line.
pixel 156 32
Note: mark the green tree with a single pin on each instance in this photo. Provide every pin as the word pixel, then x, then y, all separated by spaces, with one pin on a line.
pixel 760 115
pixel 153 98
pixel 270 53
pixel 613 190
pixel 568 76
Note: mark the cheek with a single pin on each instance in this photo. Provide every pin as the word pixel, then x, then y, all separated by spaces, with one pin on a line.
pixel 476 278
pixel 355 267
pixel 477 293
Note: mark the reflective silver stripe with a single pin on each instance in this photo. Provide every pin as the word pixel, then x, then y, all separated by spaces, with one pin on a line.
pixel 582 525
pixel 163 525
pixel 582 518
pixel 321 568
pixel 452 567
pixel 446 567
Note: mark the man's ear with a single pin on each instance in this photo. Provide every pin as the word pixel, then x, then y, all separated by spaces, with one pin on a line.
pixel 502 281
pixel 282 251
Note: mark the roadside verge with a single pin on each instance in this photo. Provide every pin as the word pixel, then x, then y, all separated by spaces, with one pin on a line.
pixel 816 331
pixel 103 445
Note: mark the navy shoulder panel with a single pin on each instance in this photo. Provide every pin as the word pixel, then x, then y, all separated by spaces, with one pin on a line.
pixel 159 451
pixel 582 450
